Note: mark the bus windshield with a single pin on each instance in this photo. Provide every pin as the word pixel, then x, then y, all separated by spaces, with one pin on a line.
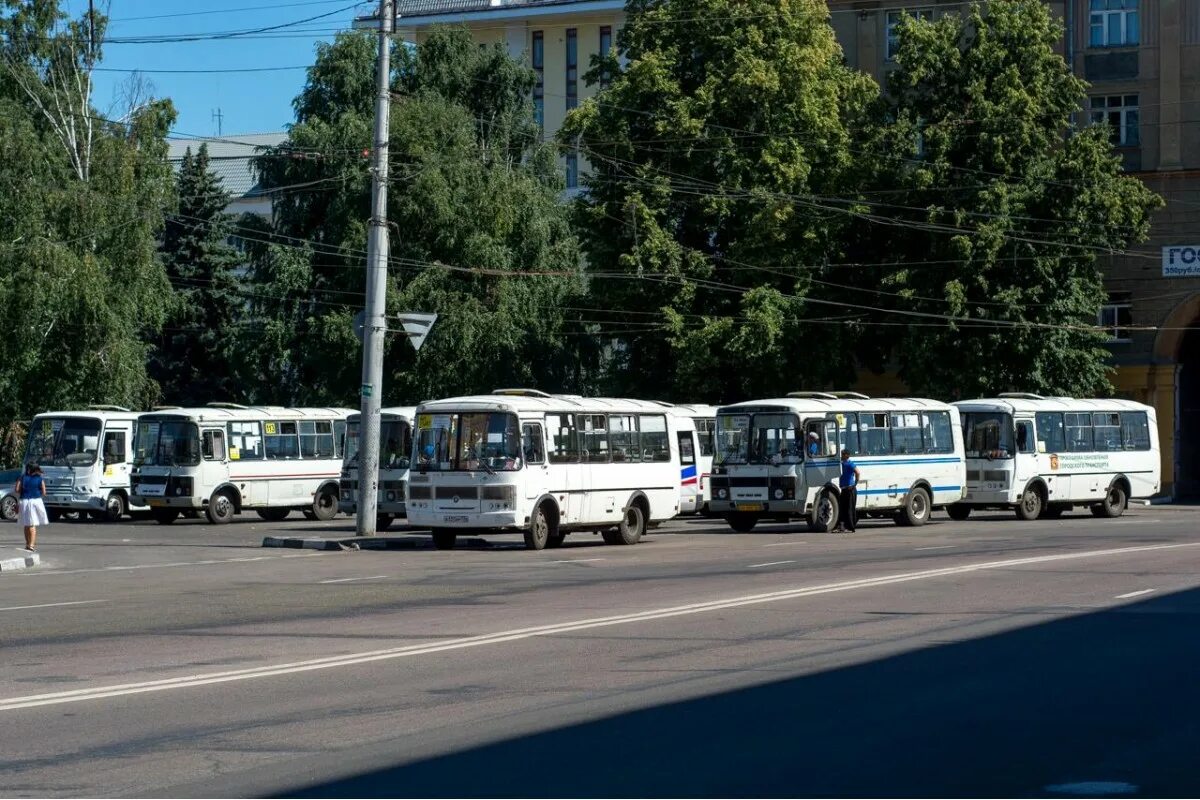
pixel 473 441
pixel 167 443
pixel 988 434
pixel 64 441
pixel 731 437
pixel 395 444
pixel 758 439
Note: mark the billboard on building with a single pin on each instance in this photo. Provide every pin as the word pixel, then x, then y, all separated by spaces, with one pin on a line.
pixel 1181 261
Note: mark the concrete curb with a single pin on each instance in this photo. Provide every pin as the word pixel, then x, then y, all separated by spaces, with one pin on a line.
pixel 24 562
pixel 363 543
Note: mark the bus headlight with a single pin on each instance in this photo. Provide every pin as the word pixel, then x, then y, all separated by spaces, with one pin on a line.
pixel 779 494
pixel 499 498
pixel 722 493
pixel 391 497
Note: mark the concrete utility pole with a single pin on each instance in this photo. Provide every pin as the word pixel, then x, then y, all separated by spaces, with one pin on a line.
pixel 375 325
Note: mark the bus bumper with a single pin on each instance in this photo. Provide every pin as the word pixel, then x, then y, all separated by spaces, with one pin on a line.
pixel 167 502
pixel 508 520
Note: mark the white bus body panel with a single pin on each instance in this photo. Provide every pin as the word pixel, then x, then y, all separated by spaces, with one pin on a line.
pixel 1077 477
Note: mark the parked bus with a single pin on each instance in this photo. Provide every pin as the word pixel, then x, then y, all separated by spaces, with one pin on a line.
pixel 909 451
pixel 705 420
pixel 1042 456
pixel 225 458
pixel 86 459
pixel 547 465
pixel 395 451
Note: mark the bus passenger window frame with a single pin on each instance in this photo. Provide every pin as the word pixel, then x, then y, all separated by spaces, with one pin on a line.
pixel 531 432
pixel 1024 428
pixel 209 450
pixel 121 454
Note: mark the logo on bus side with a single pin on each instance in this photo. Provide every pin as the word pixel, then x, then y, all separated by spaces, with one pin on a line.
pixel 1053 462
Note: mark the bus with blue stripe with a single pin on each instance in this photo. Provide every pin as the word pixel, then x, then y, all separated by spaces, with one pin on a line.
pixel 779 460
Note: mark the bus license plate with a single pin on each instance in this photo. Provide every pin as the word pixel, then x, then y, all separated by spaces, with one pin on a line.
pixel 455 518
pixel 155 502
pixel 749 507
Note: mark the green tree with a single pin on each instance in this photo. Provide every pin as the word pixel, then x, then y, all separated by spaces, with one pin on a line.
pixel 711 155
pixel 478 234
pixel 1002 207
pixel 192 362
pixel 81 205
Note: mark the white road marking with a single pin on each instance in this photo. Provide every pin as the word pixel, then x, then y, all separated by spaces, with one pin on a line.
pixel 345 580
pixel 1133 594
pixel 517 634
pixel 939 547
pixel 54 605
pixel 575 561
pixel 771 564
pixel 782 544
pixel 51 572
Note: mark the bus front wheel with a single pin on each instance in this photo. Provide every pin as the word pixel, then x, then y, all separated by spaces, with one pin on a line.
pixel 220 509
pixel 741 521
pixel 958 511
pixel 541 529
pixel 1030 505
pixel 825 514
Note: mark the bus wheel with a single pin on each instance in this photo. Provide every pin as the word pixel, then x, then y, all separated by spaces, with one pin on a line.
pixel 1113 504
pixel 1030 505
pixel 958 511
pixel 916 509
pixel 539 533
pixel 384 521
pixel 825 514
pixel 164 516
pixel 325 505
pixel 114 507
pixel 273 514
pixel 220 509
pixel 741 521
pixel 632 526
pixel 443 539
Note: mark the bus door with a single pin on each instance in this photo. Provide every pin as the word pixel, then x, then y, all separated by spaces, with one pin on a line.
pixel 1028 463
pixel 533 451
pixel 115 451
pixel 213 454
pixel 689 479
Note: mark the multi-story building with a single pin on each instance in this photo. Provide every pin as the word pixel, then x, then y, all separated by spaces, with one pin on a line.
pixel 231 158
pixel 1142 60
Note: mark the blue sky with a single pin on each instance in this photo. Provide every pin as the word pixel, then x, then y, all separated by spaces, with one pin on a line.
pixel 250 102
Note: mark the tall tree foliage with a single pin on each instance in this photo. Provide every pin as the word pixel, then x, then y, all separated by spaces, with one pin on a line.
pixel 478 234
pixel 80 277
pixel 193 360
pixel 1003 209
pixel 712 155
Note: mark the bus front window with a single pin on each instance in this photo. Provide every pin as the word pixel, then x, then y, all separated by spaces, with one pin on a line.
pixel 731 439
pixel 395 444
pixel 167 444
pixel 481 441
pixel 774 439
pixel 988 434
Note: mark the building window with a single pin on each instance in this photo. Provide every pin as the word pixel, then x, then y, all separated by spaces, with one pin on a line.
pixel 1116 316
pixel 1113 23
pixel 893 22
pixel 572 68
pixel 1120 112
pixel 538 55
pixel 572 170
pixel 605 47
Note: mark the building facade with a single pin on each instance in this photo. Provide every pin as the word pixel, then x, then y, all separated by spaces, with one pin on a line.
pixel 1142 61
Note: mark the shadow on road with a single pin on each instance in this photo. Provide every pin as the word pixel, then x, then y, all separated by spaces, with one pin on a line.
pixel 1110 696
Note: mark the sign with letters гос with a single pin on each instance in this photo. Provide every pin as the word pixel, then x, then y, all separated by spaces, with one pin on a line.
pixel 1181 261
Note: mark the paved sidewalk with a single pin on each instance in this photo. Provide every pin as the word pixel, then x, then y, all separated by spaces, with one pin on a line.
pixel 12 558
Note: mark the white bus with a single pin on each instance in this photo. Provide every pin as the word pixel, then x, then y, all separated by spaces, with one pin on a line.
pixel 395 450
pixel 547 465
pixel 705 420
pixel 908 450
pixel 1041 456
pixel 225 458
pixel 86 459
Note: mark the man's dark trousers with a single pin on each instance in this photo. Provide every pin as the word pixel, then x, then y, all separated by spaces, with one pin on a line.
pixel 849 512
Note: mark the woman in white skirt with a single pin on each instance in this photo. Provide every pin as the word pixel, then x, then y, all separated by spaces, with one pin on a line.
pixel 31 488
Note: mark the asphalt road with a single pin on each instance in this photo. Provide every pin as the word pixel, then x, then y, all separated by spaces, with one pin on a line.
pixel 990 657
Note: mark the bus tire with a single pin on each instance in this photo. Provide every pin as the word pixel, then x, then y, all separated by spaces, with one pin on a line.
pixel 221 508
pixel 826 512
pixel 542 528
pixel 114 507
pixel 633 525
pixel 273 514
pixel 915 511
pixel 325 504
pixel 742 521
pixel 1030 505
pixel 384 521
pixel 309 515
pixel 958 511
pixel 443 539
pixel 164 516
pixel 1114 503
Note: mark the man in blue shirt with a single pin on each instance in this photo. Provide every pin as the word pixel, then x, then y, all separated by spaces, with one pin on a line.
pixel 849 484
pixel 814 444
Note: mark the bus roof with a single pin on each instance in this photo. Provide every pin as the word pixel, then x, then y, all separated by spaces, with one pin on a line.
pixel 407 412
pixel 229 413
pixel 519 400
pixel 93 413
pixel 821 405
pixel 1012 403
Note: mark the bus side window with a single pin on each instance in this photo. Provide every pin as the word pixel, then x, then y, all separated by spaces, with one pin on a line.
pixel 533 446
pixel 655 444
pixel 1025 436
pixel 114 447
pixel 213 446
